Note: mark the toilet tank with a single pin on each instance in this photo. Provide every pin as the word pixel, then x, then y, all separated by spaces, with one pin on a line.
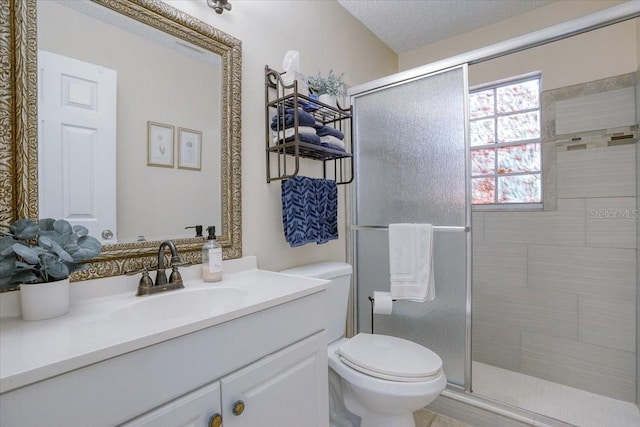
pixel 339 273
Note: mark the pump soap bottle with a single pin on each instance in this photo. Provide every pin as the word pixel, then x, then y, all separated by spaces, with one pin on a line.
pixel 211 258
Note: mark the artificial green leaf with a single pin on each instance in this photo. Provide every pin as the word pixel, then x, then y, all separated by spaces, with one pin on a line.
pixel 46 224
pixel 26 253
pixel 80 230
pixel 25 229
pixel 88 247
pixel 47 243
pixel 7 267
pixel 24 266
pixel 39 251
pixel 6 244
pixel 63 240
pixel 62 227
pixel 64 255
pixel 57 270
pixel 67 241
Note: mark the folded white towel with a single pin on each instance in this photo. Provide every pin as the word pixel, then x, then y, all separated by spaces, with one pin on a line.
pixel 288 133
pixel 330 139
pixel 411 262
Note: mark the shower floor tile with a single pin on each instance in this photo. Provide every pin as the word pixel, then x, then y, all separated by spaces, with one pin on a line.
pixel 558 401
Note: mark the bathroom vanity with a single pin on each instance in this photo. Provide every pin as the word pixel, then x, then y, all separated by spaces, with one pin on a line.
pixel 250 350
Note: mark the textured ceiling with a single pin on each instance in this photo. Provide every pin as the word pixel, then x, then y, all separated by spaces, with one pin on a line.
pixel 406 25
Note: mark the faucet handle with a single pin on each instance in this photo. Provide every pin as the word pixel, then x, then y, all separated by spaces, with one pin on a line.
pixel 145 283
pixel 175 276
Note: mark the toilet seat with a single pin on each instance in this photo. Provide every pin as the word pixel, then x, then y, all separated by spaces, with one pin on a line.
pixel 390 358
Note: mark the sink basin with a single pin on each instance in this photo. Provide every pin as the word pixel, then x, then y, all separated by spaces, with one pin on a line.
pixel 183 303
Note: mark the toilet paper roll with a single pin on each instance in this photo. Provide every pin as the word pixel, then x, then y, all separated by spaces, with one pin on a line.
pixel 382 304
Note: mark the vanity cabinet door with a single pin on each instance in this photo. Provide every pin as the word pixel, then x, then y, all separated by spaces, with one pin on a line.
pixel 195 409
pixel 285 389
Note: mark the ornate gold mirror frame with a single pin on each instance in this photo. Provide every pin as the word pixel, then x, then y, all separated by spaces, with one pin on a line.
pixel 18 126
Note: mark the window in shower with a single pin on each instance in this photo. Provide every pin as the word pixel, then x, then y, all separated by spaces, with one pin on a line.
pixel 506 165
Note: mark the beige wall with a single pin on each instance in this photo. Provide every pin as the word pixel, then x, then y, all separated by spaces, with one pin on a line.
pixel 327 37
pixel 591 56
pixel 152 86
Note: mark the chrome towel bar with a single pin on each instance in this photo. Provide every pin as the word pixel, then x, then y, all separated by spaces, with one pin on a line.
pixel 458 228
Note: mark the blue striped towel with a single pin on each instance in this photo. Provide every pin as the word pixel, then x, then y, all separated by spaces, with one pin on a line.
pixel 322 130
pixel 309 210
pixel 285 119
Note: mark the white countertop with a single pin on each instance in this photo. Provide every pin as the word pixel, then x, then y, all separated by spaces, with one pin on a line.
pixel 34 351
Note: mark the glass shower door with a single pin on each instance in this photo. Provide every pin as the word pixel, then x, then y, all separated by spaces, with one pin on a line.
pixel 411 167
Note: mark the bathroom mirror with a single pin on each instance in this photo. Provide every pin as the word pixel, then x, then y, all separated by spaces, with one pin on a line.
pixel 19 133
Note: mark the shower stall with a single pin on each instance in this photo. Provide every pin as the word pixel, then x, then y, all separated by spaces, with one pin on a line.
pixel 413 169
pixel 535 310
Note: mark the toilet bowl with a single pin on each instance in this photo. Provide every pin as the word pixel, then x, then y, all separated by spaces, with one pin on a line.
pixel 385 390
pixel 382 379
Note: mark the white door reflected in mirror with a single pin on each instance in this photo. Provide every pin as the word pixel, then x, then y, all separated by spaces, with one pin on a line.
pixel 77 143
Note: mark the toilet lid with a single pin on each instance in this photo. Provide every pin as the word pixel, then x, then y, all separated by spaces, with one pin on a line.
pixel 390 358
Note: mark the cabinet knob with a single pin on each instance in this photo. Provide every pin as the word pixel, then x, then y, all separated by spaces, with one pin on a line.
pixel 215 420
pixel 238 407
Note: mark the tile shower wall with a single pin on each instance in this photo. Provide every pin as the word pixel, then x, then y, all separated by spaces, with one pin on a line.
pixel 638 238
pixel 554 292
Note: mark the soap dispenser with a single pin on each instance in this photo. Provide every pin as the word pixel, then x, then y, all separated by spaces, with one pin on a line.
pixel 211 258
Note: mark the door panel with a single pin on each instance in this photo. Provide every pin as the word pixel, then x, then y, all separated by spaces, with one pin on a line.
pixel 193 410
pixel 411 166
pixel 77 143
pixel 288 388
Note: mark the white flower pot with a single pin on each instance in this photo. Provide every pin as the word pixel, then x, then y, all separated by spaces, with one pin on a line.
pixel 41 301
pixel 330 100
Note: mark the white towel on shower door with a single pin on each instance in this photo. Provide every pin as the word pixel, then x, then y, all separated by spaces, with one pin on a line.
pixel 411 262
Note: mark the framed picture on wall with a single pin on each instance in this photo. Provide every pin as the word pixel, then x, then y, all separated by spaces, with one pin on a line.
pixel 189 148
pixel 159 145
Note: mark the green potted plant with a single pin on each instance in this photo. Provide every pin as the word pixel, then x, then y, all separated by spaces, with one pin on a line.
pixel 329 88
pixel 40 257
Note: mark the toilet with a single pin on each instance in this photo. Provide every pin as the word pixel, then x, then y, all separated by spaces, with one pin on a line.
pixel 381 379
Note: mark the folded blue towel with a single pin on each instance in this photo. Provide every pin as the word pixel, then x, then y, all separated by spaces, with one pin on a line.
pixel 308 106
pixel 323 130
pixel 309 210
pixel 333 146
pixel 285 119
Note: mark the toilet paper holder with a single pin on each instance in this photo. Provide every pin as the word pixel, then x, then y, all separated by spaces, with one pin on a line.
pixel 372 302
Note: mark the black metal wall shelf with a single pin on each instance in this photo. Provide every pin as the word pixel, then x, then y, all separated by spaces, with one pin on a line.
pixel 283 158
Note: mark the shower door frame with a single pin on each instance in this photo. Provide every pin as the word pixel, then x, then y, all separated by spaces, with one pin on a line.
pixel 388 83
pixel 600 19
